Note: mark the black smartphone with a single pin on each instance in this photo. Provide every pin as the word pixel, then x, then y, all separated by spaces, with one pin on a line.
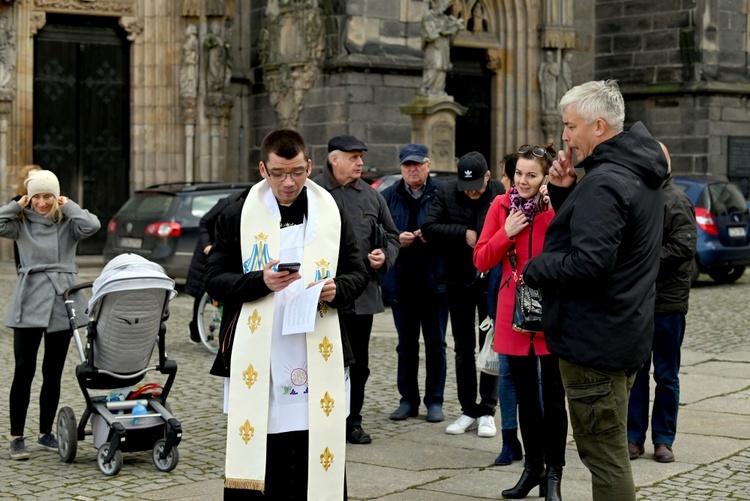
pixel 290 267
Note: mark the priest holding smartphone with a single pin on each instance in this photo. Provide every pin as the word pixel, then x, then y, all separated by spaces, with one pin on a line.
pixel 286 394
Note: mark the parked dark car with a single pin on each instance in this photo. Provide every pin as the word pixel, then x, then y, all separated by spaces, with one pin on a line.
pixel 386 180
pixel 721 212
pixel 160 223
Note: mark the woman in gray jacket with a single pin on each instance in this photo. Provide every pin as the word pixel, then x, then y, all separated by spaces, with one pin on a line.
pixel 46 228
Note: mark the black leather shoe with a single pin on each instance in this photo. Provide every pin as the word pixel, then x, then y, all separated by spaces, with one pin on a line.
pixel 356 435
pixel 404 411
pixel 435 413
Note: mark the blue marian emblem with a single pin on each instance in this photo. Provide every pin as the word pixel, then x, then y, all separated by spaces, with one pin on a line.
pixel 260 255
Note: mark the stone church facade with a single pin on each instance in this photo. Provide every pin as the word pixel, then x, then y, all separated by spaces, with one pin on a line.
pixel 116 95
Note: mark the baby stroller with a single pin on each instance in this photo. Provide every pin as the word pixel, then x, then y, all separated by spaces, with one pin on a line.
pixel 127 311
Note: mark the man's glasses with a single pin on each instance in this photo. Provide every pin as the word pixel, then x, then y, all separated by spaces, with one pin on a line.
pixel 537 151
pixel 281 176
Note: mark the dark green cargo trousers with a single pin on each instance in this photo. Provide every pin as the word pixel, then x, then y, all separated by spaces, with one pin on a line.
pixel 598 404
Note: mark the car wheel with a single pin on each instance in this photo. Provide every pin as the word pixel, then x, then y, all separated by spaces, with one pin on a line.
pixel 726 274
pixel 695 272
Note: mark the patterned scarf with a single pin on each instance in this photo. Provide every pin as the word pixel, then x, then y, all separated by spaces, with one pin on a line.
pixel 528 207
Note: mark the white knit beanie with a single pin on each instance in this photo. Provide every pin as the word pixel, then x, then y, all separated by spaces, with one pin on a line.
pixel 42 181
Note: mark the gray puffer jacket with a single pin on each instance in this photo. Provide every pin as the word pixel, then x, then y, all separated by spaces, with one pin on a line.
pixel 47 253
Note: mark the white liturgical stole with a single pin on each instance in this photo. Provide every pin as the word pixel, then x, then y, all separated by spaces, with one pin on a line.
pixel 266 381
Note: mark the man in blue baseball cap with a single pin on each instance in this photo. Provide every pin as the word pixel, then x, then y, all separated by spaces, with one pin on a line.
pixel 415 288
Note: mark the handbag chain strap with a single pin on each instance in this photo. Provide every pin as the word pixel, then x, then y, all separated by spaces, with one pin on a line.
pixel 512 261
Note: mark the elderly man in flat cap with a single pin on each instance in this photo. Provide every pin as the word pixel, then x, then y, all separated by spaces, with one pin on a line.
pixel 379 244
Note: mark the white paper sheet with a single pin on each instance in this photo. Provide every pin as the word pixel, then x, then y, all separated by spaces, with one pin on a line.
pixel 300 311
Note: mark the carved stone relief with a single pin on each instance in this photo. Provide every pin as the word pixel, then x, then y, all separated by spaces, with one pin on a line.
pixel 191 8
pixel 7 56
pixel 555 79
pixel 218 68
pixel 104 7
pixel 132 25
pixel 478 25
pixel 37 20
pixel 291 46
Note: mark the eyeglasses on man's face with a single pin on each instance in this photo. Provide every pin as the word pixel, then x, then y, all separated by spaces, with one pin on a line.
pixel 280 176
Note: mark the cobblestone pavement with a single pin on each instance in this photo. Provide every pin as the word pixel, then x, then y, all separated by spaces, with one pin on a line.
pixel 717 324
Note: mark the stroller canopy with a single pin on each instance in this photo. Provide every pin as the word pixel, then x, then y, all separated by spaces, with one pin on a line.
pixel 128 272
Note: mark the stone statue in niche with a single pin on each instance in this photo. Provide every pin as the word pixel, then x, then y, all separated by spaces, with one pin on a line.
pixel 478 22
pixel 218 70
pixel 438 30
pixel 549 71
pixel 566 74
pixel 7 54
pixel 189 69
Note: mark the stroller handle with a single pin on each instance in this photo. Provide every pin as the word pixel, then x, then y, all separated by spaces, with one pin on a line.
pixel 76 288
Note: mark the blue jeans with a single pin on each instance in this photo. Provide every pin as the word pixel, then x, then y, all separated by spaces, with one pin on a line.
pixel 669 331
pixel 506 395
pixel 430 311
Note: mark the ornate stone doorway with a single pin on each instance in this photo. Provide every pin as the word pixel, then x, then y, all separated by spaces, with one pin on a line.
pixel 81 113
pixel 470 84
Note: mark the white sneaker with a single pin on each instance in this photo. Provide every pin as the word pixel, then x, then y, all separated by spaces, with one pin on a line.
pixel 461 425
pixel 487 426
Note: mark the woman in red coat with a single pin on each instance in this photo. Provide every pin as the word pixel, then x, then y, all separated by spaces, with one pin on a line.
pixel 518 220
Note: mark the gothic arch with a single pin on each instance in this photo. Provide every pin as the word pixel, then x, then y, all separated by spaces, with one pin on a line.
pixel 513 55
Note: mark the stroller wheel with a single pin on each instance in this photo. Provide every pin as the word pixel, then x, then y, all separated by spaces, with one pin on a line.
pixel 67 434
pixel 170 461
pixel 113 466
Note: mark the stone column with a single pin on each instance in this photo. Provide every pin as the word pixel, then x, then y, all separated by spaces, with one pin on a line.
pixel 433 123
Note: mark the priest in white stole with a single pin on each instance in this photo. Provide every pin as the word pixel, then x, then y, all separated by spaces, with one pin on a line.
pixel 286 395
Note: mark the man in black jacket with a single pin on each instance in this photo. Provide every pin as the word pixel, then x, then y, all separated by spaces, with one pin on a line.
pixel 453 225
pixel 672 293
pixel 289 217
pixel 597 272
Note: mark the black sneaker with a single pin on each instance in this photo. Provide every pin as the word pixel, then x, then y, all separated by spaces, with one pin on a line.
pixel 18 449
pixel 48 442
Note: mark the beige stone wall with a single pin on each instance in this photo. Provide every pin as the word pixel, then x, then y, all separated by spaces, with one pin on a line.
pixel 157 142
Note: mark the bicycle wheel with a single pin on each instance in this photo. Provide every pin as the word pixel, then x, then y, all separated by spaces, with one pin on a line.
pixel 209 322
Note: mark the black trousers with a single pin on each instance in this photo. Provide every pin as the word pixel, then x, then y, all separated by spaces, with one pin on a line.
pixel 464 304
pixel 25 348
pixel 358 328
pixel 544 429
pixel 286 470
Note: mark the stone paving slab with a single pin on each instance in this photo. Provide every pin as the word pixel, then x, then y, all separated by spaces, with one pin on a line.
pixel 410 460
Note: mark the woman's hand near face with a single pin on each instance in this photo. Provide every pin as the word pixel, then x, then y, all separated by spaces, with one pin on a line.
pixel 515 223
pixel 23 201
pixel 62 200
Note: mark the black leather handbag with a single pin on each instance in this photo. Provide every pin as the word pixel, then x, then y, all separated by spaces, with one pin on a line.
pixel 527 310
pixel 527 313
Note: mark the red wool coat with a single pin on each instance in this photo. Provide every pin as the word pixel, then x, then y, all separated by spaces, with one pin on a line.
pixel 491 249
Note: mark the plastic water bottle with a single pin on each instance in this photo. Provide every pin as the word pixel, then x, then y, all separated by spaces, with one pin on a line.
pixel 139 410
